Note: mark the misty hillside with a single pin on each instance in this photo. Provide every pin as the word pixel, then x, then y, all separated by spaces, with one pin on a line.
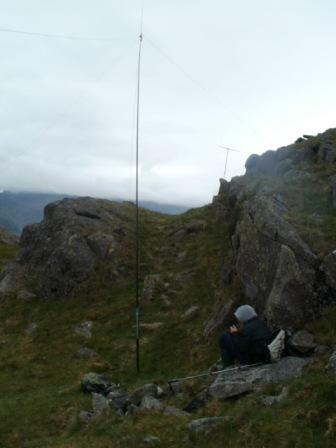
pixel 68 376
pixel 19 209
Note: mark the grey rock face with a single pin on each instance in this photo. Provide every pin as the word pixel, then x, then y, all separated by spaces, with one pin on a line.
pixel 149 403
pixel 224 186
pixel 102 245
pixel 61 252
pixel 203 425
pixel 303 342
pixel 277 269
pixel 279 162
pixel 222 312
pixel 235 383
pixel 275 265
pixel 226 275
pixel 229 389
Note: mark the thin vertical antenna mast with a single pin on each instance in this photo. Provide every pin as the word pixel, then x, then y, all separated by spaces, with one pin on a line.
pixel 227 156
pixel 137 221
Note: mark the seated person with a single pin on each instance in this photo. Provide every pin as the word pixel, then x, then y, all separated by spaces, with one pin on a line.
pixel 247 342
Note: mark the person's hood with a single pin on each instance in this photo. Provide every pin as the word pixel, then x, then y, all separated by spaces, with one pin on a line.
pixel 245 313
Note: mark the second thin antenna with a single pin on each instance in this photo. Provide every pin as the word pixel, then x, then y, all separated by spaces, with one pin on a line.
pixel 227 155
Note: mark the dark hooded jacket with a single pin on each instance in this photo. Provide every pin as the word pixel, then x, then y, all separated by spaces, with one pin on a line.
pixel 252 340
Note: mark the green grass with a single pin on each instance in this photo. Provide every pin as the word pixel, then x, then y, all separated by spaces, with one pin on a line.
pixel 40 395
pixel 7 252
pixel 39 377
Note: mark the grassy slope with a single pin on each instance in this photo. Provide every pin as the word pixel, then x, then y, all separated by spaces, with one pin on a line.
pixel 40 378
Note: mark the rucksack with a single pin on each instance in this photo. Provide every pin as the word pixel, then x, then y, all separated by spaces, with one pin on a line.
pixel 277 346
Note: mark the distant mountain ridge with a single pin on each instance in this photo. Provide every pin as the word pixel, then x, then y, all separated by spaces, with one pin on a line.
pixel 18 209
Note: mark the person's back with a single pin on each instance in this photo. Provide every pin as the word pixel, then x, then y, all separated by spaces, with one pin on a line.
pixel 252 341
pixel 248 343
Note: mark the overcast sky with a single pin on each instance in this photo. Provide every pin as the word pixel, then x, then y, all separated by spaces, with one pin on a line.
pixel 252 75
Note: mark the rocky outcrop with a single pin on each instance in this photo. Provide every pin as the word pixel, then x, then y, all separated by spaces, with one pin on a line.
pixel 237 382
pixel 281 275
pixel 59 253
pixel 274 264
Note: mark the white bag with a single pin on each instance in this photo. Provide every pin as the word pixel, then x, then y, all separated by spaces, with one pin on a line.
pixel 277 346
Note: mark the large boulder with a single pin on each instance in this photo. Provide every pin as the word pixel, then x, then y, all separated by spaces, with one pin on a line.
pixel 237 382
pixel 278 163
pixel 61 252
pixel 280 273
pixel 303 342
pixel 276 267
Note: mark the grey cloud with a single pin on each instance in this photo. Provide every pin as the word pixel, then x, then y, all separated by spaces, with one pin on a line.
pixel 250 75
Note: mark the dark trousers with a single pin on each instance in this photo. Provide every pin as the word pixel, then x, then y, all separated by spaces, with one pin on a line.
pixel 229 350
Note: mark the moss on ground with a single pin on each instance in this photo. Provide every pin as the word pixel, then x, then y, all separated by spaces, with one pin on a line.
pixel 7 252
